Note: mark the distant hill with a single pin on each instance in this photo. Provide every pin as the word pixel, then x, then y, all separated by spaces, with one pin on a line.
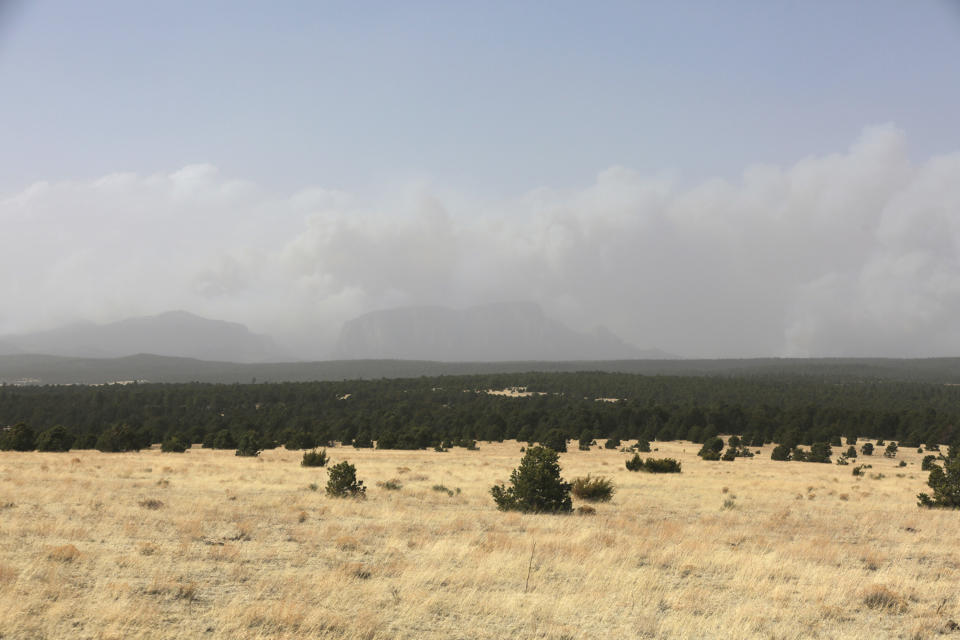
pixel 488 333
pixel 174 334
pixel 33 369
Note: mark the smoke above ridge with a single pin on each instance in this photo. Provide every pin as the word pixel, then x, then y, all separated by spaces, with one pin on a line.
pixel 852 253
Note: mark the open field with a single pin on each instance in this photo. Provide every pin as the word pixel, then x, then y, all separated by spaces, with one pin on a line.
pixel 206 544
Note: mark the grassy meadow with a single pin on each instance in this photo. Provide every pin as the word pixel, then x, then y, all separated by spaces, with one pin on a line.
pixel 209 545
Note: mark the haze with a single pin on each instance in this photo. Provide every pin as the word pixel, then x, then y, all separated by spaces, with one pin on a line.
pixel 744 180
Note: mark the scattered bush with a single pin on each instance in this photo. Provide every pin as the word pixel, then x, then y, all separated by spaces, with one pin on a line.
pixel 174 444
pixel 881 597
pixel 858 470
pixel 586 439
pixel 117 439
pixel 391 485
pixel 554 439
pixel 19 438
pixel 819 452
pixel 903 463
pixel 661 465
pixel 439 488
pixel 780 452
pixel 363 441
pixel 535 486
pixel 249 444
pixel 342 482
pixel 635 463
pixel 711 449
pixel 597 489
pixel 54 439
pixel 314 458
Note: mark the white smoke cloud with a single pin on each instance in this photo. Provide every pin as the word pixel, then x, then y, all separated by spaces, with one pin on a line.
pixel 854 253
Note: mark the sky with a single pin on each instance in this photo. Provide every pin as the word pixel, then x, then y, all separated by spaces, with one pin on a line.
pixel 712 179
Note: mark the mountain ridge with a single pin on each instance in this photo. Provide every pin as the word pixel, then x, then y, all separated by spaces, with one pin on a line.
pixel 498 332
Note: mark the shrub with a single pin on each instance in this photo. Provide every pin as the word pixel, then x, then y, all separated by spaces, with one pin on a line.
pixel 314 458
pixel 535 486
pixel 249 444
pixel 598 489
pixel 928 463
pixel 661 465
pixel 439 488
pixel 391 485
pixel 881 597
pixel 643 445
pixel 903 463
pixel 729 455
pixel 586 439
pixel 780 452
pixel 342 482
pixel 54 439
pixel 222 439
pixel 174 444
pixel 117 440
pixel 554 439
pixel 612 443
pixel 362 441
pixel 858 470
pixel 19 438
pixel 819 452
pixel 711 449
pixel 635 463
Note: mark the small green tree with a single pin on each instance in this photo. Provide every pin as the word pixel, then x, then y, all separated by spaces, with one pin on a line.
pixel 342 482
pixel 554 439
pixel 54 439
pixel 535 486
pixel 635 463
pixel 851 451
pixel 945 483
pixel 867 449
pixel 19 438
pixel 711 449
pixel 819 452
pixel 249 444
pixel 612 443
pixel 586 439
pixel 891 450
pixel 780 452
pixel 174 444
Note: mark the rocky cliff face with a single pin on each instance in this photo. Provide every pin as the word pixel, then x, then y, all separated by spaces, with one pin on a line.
pixel 496 332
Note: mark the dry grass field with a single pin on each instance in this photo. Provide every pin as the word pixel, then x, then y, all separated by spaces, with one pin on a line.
pixel 209 545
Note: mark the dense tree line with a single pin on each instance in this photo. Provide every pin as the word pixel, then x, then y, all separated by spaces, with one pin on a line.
pixel 454 410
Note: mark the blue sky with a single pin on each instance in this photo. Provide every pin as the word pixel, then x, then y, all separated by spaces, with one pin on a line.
pixel 743 178
pixel 495 97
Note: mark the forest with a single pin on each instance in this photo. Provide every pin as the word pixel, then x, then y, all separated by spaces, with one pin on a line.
pixel 444 411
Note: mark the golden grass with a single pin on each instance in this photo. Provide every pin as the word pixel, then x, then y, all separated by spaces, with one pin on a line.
pixel 207 544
